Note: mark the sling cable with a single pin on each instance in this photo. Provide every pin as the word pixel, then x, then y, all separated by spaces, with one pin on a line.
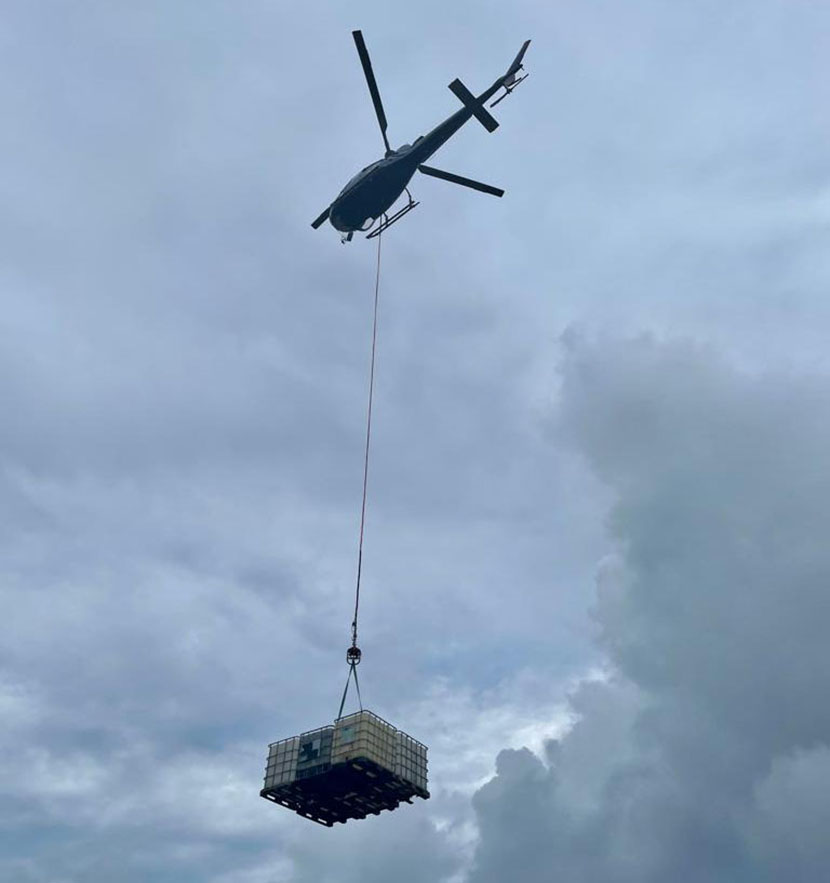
pixel 361 765
pixel 353 654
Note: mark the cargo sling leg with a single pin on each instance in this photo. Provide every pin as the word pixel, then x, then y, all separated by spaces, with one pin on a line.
pixel 352 673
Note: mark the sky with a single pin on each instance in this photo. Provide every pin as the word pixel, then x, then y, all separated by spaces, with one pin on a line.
pixel 595 571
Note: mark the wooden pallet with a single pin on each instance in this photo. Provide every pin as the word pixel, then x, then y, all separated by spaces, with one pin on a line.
pixel 351 790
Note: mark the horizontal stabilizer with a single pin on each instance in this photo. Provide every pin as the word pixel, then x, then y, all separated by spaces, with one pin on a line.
pixel 322 219
pixel 457 179
pixel 473 105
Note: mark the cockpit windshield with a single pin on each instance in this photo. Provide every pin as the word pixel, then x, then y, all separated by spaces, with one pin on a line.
pixel 361 174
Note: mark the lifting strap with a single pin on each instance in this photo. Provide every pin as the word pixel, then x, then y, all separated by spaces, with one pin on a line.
pixel 352 673
pixel 353 654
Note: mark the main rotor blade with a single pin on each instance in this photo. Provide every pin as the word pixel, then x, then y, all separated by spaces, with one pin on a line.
pixel 373 86
pixel 457 179
pixel 322 219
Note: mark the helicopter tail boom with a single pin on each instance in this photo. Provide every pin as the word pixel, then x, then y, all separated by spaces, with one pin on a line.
pixel 511 79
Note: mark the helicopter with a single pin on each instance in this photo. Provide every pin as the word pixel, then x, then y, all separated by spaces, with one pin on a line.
pixel 365 200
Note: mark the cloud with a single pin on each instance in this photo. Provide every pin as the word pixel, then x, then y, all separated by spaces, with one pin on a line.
pixel 183 386
pixel 703 756
pixel 403 846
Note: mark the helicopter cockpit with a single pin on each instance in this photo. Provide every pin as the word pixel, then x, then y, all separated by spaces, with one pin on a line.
pixel 361 174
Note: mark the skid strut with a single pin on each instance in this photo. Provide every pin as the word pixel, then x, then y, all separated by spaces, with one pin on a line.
pixel 388 220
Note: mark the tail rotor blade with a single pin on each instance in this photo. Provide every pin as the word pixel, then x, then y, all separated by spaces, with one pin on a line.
pixel 372 83
pixel 458 179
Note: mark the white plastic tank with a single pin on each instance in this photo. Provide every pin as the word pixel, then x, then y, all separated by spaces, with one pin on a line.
pixel 360 766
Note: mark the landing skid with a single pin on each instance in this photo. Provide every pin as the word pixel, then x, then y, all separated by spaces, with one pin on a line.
pixel 388 220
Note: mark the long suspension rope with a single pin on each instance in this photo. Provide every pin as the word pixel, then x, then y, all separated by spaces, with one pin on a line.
pixel 353 654
pixel 366 451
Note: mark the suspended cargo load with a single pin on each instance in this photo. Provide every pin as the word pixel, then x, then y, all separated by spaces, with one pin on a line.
pixel 358 767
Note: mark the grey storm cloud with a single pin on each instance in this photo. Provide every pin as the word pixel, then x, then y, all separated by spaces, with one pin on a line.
pixel 703 755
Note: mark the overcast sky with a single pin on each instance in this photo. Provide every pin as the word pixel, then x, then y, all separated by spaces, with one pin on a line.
pixel 596 574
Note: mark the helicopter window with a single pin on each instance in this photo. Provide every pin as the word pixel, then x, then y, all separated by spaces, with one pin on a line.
pixel 360 175
pixel 367 224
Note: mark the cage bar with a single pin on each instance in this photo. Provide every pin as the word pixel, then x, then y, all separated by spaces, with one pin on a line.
pixel 360 766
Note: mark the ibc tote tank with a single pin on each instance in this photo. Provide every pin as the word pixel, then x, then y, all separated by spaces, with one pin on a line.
pixel 358 767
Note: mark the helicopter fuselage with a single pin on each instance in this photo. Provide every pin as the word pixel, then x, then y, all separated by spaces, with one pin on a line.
pixel 374 189
pixel 372 192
